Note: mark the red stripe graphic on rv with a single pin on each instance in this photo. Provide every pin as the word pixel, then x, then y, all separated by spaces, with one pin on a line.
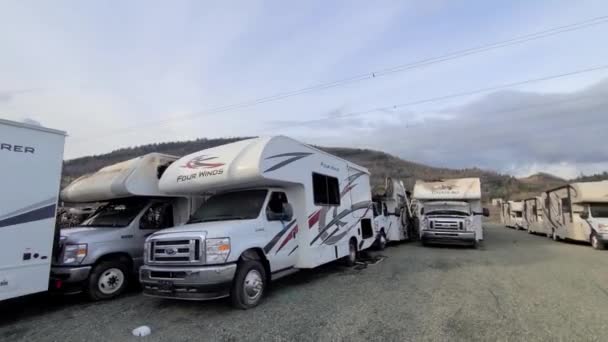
pixel 288 238
pixel 201 162
pixel 314 217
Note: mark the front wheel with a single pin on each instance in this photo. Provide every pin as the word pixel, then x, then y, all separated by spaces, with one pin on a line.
pixel 595 242
pixel 381 241
pixel 109 279
pixel 351 258
pixel 249 284
pixel 554 236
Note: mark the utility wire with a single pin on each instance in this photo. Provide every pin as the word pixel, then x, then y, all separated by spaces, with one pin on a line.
pixel 441 98
pixel 373 74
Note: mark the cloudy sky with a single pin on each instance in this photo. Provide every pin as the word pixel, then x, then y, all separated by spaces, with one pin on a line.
pixel 122 73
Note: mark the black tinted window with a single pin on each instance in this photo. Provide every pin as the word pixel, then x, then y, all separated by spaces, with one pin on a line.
pixel 238 205
pixel 326 190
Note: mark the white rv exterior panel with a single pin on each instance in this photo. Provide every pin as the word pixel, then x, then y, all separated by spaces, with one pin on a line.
pixel 135 177
pixel 31 159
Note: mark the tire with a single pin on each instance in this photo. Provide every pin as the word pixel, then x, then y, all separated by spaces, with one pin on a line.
pixel 554 236
pixel 381 241
pixel 249 284
pixel 351 258
pixel 595 242
pixel 109 279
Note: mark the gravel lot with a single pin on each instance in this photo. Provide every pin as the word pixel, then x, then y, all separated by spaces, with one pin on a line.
pixel 515 287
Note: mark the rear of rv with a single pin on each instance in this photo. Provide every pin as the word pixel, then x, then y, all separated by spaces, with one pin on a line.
pixel 31 159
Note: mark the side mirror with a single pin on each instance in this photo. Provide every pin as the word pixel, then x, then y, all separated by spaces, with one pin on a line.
pixel 486 212
pixel 287 212
pixel 584 215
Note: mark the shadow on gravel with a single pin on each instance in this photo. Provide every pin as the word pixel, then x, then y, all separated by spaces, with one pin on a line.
pixel 32 306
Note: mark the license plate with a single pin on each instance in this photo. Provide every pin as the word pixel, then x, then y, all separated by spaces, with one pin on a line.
pixel 165 285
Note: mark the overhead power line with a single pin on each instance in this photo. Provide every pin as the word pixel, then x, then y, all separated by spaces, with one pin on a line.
pixel 443 97
pixel 370 75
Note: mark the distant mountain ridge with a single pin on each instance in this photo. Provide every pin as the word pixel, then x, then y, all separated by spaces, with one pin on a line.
pixel 381 165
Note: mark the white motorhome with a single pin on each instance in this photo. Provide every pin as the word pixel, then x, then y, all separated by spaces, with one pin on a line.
pixel 31 158
pixel 579 212
pixel 277 206
pixel 392 213
pixel 533 215
pixel 516 214
pixel 449 211
pixel 100 255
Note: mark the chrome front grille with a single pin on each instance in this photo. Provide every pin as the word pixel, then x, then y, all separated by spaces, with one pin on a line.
pixel 448 225
pixel 175 251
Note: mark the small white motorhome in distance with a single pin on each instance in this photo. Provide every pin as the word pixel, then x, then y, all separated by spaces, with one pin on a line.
pixel 277 206
pixel 516 214
pixel 533 215
pixel 392 213
pixel 579 212
pixel 31 158
pixel 450 211
pixel 102 253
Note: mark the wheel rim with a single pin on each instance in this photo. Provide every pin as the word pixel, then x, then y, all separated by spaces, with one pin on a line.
pixel 352 253
pixel 594 242
pixel 110 281
pixel 382 240
pixel 253 285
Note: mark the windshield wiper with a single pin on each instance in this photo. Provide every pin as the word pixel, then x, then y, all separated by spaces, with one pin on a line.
pixel 217 218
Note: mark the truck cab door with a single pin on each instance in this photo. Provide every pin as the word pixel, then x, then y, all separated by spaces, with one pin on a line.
pixel 281 230
pixel 159 215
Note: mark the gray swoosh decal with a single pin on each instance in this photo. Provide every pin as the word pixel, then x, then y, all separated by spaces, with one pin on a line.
pixel 294 157
pixel 40 204
pixel 33 215
pixel 276 238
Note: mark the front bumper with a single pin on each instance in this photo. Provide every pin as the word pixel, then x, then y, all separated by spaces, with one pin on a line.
pixel 603 237
pixel 71 274
pixel 448 237
pixel 190 283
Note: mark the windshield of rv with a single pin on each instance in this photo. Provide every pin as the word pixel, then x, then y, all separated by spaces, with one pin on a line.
pixel 448 209
pixel 599 210
pixel 117 213
pixel 238 205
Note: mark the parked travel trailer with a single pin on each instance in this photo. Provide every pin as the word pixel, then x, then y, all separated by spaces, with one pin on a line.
pixel 516 214
pixel 579 212
pixel 533 215
pixel 449 211
pixel 31 158
pixel 102 253
pixel 277 206
pixel 392 213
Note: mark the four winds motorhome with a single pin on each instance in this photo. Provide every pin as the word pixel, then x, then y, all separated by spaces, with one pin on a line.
pixel 579 212
pixel 449 211
pixel 105 250
pixel 30 172
pixel 277 206
pixel 392 210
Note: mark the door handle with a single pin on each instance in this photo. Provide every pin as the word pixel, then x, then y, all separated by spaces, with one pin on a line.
pixel 259 229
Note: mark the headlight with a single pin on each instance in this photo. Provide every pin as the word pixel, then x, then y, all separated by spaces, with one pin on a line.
pixel 602 226
pixel 217 250
pixel 74 254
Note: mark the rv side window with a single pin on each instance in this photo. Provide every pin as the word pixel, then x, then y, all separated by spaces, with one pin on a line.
pixel 326 190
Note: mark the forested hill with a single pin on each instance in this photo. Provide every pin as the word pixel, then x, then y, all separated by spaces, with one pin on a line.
pixel 379 163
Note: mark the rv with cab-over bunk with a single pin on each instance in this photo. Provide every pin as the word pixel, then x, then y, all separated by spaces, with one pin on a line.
pixel 277 206
pixel 578 212
pixel 533 215
pixel 102 253
pixel 449 211
pixel 515 212
pixel 392 213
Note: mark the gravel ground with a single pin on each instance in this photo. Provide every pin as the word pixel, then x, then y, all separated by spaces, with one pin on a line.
pixel 515 287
